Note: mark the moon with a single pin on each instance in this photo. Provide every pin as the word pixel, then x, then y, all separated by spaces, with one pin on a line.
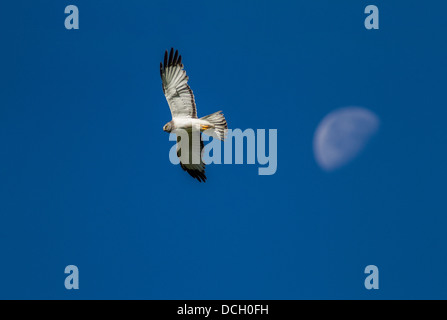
pixel 342 135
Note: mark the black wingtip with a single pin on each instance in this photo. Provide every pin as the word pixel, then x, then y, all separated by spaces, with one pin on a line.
pixel 200 176
pixel 166 59
pixel 171 56
pixel 175 57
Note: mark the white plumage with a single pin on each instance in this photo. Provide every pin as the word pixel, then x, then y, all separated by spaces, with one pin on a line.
pixel 184 115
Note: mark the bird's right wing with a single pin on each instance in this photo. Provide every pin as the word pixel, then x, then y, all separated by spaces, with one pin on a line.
pixel 191 161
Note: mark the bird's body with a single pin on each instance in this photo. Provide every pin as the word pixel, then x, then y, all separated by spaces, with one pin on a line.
pixel 190 124
pixel 184 116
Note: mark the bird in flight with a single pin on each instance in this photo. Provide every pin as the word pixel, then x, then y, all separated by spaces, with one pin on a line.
pixel 184 116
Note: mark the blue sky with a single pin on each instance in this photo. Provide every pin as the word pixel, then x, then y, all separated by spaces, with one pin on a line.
pixel 85 177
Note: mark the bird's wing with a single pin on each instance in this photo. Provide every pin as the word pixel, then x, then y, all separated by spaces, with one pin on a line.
pixel 175 86
pixel 195 148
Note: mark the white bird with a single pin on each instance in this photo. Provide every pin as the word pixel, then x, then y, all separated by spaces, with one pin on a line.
pixel 184 115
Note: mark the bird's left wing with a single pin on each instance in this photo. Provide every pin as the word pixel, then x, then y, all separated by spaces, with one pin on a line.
pixel 175 86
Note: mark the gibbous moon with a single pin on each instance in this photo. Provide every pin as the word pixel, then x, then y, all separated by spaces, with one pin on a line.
pixel 342 135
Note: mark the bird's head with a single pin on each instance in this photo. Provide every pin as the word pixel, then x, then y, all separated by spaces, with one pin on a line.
pixel 168 127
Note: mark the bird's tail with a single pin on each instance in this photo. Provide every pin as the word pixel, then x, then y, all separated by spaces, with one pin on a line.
pixel 217 119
